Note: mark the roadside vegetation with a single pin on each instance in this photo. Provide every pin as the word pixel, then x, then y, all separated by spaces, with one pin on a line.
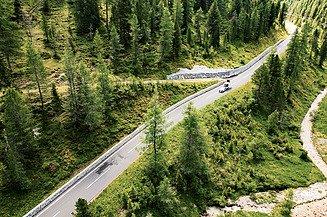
pixel 245 142
pixel 61 150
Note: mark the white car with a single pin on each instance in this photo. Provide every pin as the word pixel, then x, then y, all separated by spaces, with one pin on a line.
pixel 226 86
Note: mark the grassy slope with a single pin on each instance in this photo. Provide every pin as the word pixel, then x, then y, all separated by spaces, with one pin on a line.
pixel 237 134
pixel 320 128
pixel 63 153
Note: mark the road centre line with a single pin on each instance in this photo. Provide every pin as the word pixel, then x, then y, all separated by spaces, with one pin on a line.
pixel 98 178
pixel 134 147
pixel 56 214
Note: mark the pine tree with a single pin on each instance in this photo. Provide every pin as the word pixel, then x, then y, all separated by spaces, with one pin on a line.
pixel 213 25
pixel 178 19
pixel 135 33
pixel 166 32
pixel 10 33
pixel 154 136
pixel 115 46
pixel 88 109
pixel 105 89
pixel 314 44
pixel 194 169
pixel 323 51
pixel 97 45
pixel 82 208
pixel 292 62
pixel 87 16
pixel 189 36
pixel 38 73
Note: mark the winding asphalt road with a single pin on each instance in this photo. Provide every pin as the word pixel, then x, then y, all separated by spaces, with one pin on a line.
pixel 97 180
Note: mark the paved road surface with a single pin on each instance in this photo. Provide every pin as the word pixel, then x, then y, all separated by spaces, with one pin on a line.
pixel 97 180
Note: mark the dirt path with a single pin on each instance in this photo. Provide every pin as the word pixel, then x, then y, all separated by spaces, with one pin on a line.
pixel 306 135
pixel 310 201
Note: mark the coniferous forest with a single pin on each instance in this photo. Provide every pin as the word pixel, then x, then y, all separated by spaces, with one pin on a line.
pixel 77 76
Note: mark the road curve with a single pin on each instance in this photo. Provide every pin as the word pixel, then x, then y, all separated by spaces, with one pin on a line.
pixel 92 184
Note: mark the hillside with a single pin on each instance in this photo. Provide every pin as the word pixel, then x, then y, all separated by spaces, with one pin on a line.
pixel 314 11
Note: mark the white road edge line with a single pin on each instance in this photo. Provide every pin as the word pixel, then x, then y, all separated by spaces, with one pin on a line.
pixel 56 214
pixel 134 147
pixel 98 178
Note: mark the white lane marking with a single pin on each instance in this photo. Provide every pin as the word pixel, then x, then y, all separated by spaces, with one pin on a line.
pixel 56 214
pixel 98 178
pixel 134 147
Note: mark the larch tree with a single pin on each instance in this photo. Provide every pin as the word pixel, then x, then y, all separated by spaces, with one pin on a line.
pixel 38 73
pixel 155 138
pixel 213 25
pixel 166 35
pixel 70 72
pixel 194 147
pixel 105 89
pixel 88 109
pixel 178 20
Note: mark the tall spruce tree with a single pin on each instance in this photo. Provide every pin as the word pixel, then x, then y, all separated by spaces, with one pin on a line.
pixel 188 6
pixel 178 20
pixel 282 13
pixel 87 16
pixel 38 73
pixel 115 46
pixel 18 13
pixel 154 137
pixel 135 33
pixel 213 25
pixel 314 44
pixel 199 19
pixel 10 33
pixel 105 89
pixel 194 169
pixel 18 133
pixel 121 13
pixel 166 32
